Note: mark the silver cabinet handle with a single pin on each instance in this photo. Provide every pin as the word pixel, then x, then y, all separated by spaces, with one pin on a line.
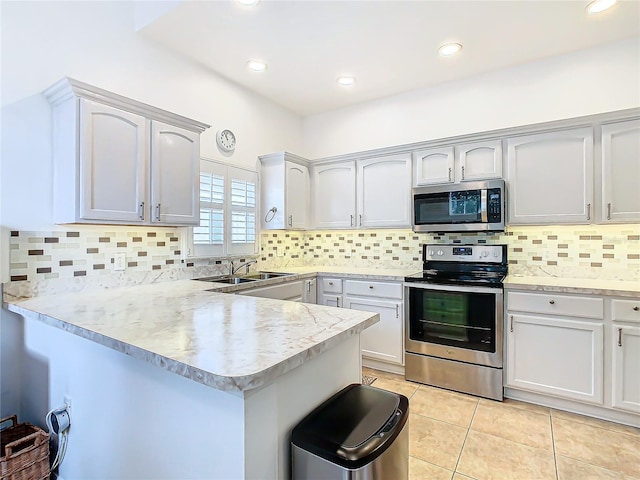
pixel 338 301
pixel 588 211
pixel 511 321
pixel 141 212
pixel 351 220
pixel 158 212
pixel 619 337
pixel 360 219
pixel 552 302
pixel 330 283
pixel 462 173
pixel 636 308
pixel 397 311
pixel 608 211
pixel 308 286
pixel 290 220
pixel 449 173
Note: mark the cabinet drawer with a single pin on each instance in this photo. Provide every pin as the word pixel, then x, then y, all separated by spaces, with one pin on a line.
pixel 332 285
pixel 373 289
pixel 550 304
pixel 625 310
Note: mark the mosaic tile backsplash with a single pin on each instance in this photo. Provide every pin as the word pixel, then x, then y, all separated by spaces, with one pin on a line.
pixel 608 252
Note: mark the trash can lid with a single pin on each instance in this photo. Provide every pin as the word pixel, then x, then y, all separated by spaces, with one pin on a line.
pixel 344 425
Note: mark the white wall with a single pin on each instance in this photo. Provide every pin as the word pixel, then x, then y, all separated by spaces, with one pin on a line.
pixel 590 81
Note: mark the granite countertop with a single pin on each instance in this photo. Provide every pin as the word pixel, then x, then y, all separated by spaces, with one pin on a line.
pixel 619 288
pixel 229 342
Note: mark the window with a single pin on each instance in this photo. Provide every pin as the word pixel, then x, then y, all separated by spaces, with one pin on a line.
pixel 227 211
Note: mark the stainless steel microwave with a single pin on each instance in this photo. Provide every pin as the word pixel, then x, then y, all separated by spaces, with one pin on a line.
pixel 460 207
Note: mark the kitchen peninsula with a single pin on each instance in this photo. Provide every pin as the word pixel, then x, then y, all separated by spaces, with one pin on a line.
pixel 209 386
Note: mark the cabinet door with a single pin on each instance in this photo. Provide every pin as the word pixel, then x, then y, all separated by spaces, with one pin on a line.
pixel 296 195
pixel 621 172
pixel 384 192
pixel 433 166
pixel 330 300
pixel 383 340
pixel 626 363
pixel 556 356
pixel 310 293
pixel 479 161
pixel 550 177
pixel 334 195
pixel 175 169
pixel 113 164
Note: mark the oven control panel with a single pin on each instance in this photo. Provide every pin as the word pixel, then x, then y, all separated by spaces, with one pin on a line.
pixel 464 253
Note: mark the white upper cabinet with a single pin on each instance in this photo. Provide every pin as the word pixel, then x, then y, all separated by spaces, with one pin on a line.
pixel 433 166
pixel 369 193
pixel 285 188
pixel 550 177
pixel 175 170
pixel 334 195
pixel 113 182
pixel 479 161
pixel 384 191
pixel 621 172
pixel 459 163
pixel 119 161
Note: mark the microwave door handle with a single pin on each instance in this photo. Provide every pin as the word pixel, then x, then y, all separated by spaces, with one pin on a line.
pixel 483 206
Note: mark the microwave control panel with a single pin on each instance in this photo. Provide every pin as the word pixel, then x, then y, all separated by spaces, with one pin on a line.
pixel 464 253
pixel 494 205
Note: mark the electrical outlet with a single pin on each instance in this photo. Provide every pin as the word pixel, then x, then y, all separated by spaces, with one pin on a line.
pixel 119 261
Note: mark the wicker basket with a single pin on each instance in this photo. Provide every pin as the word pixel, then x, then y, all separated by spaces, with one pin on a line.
pixel 26 451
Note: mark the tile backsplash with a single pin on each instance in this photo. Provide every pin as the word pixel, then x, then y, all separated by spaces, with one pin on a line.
pixel 593 251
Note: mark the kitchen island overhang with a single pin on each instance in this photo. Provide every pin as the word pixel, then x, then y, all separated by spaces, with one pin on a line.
pixel 210 386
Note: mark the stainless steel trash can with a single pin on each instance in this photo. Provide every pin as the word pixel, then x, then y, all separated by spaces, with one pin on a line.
pixel 361 433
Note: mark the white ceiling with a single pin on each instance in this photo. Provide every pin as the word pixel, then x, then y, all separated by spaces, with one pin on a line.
pixel 389 46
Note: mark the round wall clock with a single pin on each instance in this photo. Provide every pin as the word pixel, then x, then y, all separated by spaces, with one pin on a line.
pixel 226 140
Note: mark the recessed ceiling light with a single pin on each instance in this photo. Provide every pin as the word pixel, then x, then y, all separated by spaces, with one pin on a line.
pixel 346 80
pixel 256 65
pixel 598 6
pixel 248 3
pixel 449 49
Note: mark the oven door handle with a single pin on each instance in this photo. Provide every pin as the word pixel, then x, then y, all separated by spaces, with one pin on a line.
pixel 452 288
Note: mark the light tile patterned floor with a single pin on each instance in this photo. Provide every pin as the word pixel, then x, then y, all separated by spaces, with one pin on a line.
pixel 453 436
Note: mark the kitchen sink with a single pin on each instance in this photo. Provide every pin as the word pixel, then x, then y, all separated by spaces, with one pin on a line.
pixel 266 275
pixel 238 279
pixel 233 280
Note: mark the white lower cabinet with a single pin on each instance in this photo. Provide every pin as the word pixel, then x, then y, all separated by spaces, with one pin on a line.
pixel 583 348
pixel 626 368
pixel 330 292
pixel 557 356
pixel 384 340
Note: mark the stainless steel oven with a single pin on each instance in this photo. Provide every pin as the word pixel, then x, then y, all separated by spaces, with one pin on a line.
pixel 454 318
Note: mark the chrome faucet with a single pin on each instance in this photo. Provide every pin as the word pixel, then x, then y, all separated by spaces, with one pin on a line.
pixel 233 270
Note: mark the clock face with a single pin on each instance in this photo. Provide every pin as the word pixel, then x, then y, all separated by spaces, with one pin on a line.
pixel 226 140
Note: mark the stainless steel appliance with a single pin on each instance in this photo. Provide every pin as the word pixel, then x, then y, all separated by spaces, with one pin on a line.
pixel 463 207
pixel 454 319
pixel 361 433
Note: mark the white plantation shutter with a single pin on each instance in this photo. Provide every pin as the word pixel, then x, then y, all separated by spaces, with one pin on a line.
pixel 243 211
pixel 227 211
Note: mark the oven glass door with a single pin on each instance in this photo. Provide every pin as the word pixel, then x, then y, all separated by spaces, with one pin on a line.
pixel 454 318
pixel 462 206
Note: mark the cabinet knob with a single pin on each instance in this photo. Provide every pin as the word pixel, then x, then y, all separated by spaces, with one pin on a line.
pixel 636 308
pixel 330 283
pixel 552 302
pixel 371 287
